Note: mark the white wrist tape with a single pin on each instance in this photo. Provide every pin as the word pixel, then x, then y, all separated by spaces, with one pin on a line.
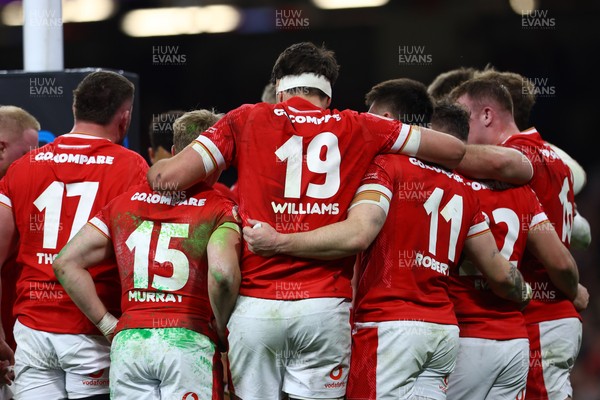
pixel 107 324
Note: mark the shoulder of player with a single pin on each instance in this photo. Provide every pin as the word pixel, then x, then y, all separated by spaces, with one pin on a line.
pixel 243 111
pixel 122 156
pixel 529 137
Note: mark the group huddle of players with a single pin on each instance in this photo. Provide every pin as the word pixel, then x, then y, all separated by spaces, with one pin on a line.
pixel 360 256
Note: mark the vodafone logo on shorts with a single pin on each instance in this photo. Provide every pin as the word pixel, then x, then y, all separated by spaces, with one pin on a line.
pixel 96 379
pixel 97 375
pixel 190 396
pixel 336 375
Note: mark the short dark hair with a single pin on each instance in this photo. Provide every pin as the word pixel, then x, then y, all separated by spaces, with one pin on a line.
pixel 443 84
pixel 306 57
pixel 451 118
pixel 484 89
pixel 99 96
pixel 522 91
pixel 406 98
pixel 161 129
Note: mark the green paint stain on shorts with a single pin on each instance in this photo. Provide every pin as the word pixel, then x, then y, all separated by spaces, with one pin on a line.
pixel 131 334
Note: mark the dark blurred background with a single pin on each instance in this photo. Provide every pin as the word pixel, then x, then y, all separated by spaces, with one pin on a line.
pixel 553 45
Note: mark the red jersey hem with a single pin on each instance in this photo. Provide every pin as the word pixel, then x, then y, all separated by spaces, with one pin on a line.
pixel 31 323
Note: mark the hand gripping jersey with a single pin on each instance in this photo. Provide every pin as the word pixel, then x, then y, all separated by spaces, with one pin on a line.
pixel 552 182
pixel 52 192
pixel 404 274
pixel 298 169
pixel 510 213
pixel 160 245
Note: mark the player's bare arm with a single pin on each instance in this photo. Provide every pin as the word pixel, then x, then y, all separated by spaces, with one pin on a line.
pixel 338 240
pixel 543 242
pixel 7 247
pixel 440 148
pixel 87 248
pixel 223 252
pixel 496 162
pixel 179 172
pixel 504 279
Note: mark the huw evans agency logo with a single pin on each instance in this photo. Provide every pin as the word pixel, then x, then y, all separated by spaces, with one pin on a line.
pixel 291 19
pixel 537 19
pixel 168 55
pixel 414 55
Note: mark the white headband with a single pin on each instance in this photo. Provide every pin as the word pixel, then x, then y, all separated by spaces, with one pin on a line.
pixel 305 80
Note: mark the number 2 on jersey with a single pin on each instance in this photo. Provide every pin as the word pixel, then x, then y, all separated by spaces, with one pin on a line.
pixel 291 151
pixel 139 242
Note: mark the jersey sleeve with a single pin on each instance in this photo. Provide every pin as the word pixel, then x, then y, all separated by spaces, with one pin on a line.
pixel 479 224
pixel 101 221
pixel 538 215
pixel 227 214
pixel 376 187
pixel 393 136
pixel 217 144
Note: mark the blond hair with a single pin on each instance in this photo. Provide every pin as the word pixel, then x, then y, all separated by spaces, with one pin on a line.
pixel 191 124
pixel 16 120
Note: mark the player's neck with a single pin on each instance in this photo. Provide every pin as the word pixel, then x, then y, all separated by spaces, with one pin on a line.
pixel 507 129
pixel 315 100
pixel 92 129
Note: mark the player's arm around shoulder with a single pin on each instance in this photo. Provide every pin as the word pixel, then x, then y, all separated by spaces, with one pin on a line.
pixel 223 252
pixel 87 248
pixel 439 147
pixel 504 279
pixel 179 172
pixel 329 242
pixel 496 162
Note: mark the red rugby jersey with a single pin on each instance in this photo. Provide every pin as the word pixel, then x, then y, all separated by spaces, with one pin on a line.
pixel 52 192
pixel 298 169
pixel 160 244
pixel 481 314
pixel 404 274
pixel 553 184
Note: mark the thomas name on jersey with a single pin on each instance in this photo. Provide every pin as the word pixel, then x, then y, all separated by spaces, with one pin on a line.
pixel 62 158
